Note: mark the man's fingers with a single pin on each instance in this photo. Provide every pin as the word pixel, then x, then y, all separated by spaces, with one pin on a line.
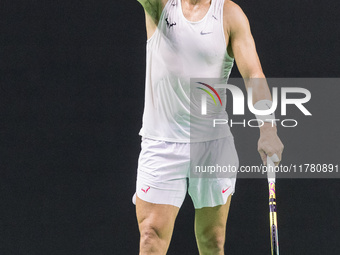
pixel 263 157
pixel 271 146
pixel 275 156
pixel 279 154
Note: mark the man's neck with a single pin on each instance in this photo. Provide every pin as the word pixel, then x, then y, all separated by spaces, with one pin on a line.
pixel 196 2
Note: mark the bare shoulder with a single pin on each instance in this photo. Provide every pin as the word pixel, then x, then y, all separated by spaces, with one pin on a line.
pixel 234 18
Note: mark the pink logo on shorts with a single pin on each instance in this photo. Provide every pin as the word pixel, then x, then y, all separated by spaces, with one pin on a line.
pixel 225 190
pixel 145 189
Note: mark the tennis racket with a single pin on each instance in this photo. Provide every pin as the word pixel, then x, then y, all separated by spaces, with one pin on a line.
pixel 274 239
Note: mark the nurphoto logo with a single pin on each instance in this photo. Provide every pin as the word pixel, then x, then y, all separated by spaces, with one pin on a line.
pixel 239 104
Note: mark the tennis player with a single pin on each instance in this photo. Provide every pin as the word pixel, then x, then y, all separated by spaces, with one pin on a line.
pixel 188 39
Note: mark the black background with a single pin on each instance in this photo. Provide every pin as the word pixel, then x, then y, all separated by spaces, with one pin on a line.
pixel 72 87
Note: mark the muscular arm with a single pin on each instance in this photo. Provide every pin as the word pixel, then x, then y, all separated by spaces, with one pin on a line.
pixel 153 10
pixel 244 50
pixel 242 44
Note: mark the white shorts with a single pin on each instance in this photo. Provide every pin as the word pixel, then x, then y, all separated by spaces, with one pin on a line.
pixel 164 174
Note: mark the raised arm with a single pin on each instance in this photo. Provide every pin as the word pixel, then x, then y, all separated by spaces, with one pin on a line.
pixel 242 46
pixel 153 10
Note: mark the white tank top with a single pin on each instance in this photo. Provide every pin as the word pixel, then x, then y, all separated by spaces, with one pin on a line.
pixel 177 51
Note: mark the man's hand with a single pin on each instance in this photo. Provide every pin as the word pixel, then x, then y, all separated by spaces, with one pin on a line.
pixel 269 143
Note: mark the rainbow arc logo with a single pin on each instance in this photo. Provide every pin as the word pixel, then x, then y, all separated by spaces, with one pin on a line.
pixel 204 97
pixel 209 93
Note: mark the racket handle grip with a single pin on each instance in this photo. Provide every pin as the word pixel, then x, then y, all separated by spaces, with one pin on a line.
pixel 270 170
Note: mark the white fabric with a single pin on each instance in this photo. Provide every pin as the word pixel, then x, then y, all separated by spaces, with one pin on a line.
pixel 177 51
pixel 164 174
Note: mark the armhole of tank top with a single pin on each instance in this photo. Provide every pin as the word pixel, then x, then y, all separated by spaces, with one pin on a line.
pixel 160 18
pixel 222 27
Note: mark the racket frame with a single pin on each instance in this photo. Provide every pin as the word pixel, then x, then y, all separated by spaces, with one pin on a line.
pixel 274 239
